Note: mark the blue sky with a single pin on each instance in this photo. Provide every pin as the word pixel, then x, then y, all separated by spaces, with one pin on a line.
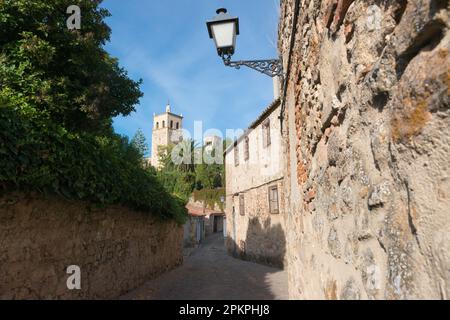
pixel 166 44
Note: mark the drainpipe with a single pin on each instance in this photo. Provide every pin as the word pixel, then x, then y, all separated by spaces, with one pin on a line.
pixel 288 70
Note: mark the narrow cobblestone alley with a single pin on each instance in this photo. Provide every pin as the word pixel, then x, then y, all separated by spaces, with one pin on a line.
pixel 210 273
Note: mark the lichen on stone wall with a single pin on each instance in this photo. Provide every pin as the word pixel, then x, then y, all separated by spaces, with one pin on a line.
pixel 369 96
pixel 410 124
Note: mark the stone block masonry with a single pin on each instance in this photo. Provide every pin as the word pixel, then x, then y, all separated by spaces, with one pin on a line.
pixel 116 248
pixel 367 134
pixel 259 236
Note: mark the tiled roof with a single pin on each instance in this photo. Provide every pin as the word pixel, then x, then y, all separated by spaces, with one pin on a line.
pixel 266 112
pixel 198 211
pixel 172 114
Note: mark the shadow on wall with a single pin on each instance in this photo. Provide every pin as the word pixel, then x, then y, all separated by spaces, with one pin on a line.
pixel 264 243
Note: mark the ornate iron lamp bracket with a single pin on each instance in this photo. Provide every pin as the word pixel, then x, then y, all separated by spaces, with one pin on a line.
pixel 272 67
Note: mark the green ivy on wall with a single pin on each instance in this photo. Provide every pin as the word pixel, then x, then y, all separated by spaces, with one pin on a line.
pixel 210 197
pixel 39 155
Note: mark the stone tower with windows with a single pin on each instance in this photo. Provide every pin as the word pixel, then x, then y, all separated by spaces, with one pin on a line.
pixel 166 130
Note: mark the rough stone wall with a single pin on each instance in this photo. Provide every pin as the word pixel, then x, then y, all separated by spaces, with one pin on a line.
pixel 190 231
pixel 258 235
pixel 368 148
pixel 117 249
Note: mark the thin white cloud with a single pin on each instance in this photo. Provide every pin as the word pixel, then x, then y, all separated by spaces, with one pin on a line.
pixel 195 81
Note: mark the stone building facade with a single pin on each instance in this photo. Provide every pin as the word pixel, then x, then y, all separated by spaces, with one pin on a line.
pixel 367 133
pixel 202 222
pixel 167 129
pixel 254 192
pixel 212 142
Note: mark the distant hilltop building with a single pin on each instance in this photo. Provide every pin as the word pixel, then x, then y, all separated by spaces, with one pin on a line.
pixel 212 143
pixel 166 130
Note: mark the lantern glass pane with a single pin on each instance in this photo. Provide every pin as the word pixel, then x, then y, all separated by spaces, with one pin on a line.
pixel 224 34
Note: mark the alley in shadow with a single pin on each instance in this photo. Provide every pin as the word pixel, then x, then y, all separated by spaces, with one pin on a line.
pixel 210 273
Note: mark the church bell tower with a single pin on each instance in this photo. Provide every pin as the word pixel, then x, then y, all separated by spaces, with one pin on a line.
pixel 166 130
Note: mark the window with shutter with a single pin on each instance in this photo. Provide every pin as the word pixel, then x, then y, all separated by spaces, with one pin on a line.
pixel 247 149
pixel 241 205
pixel 266 133
pixel 273 200
pixel 236 154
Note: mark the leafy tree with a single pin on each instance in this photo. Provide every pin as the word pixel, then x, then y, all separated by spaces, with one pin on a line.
pixel 59 90
pixel 40 155
pixel 178 156
pixel 211 198
pixel 183 178
pixel 211 175
pixel 64 74
pixel 178 178
pixel 140 143
pixel 208 176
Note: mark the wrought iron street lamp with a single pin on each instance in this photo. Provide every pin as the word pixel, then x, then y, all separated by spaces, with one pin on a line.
pixel 224 29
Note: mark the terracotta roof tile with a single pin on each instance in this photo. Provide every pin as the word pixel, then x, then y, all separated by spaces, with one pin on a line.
pixel 198 211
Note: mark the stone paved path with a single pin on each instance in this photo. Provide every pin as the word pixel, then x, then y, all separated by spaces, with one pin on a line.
pixel 210 273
